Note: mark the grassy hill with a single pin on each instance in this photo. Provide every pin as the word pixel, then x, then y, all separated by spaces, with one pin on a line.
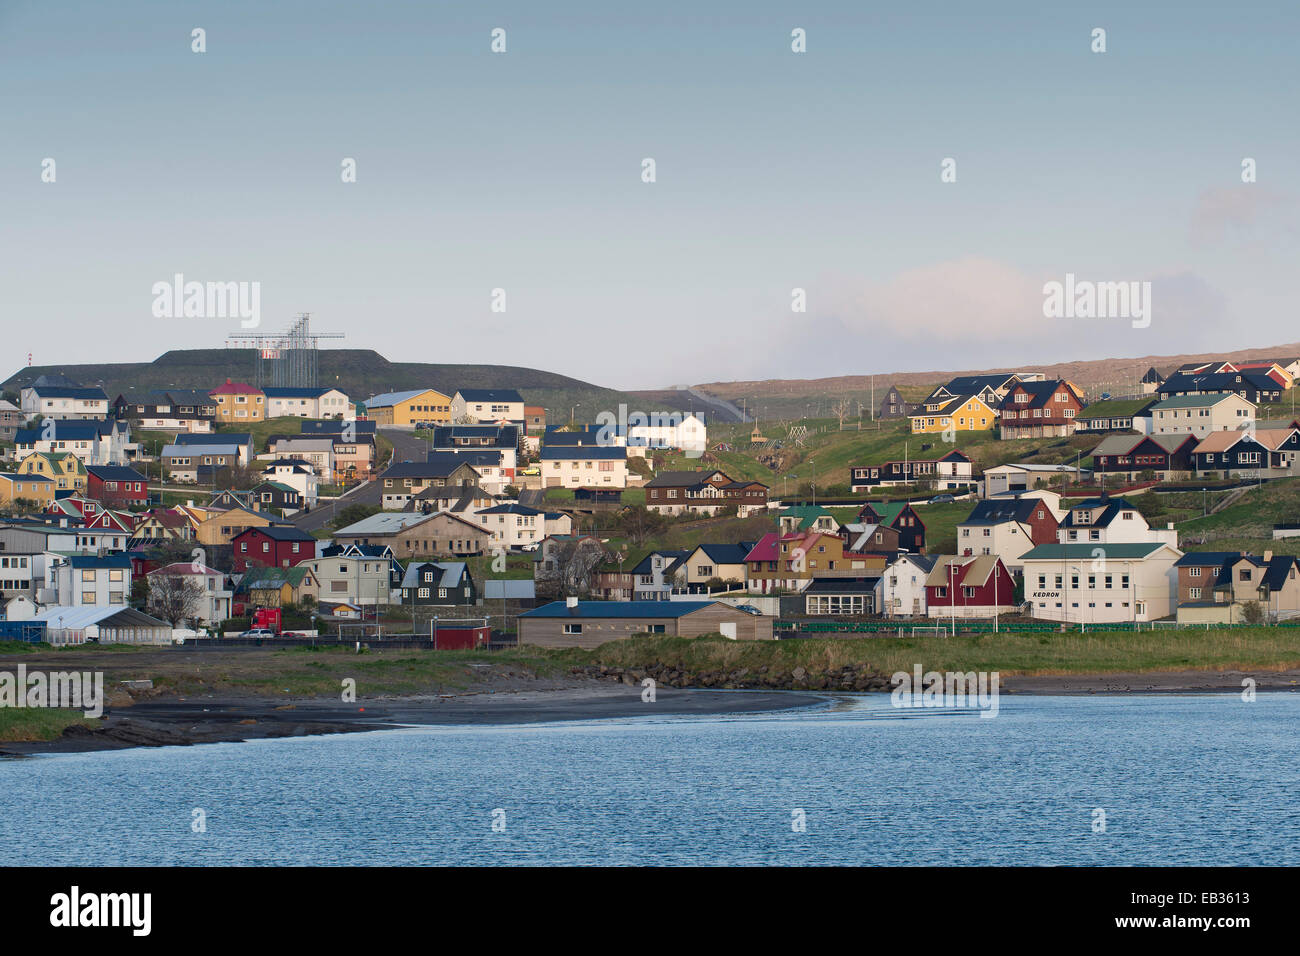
pixel 359 372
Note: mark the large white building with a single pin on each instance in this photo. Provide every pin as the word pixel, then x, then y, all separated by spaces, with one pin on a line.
pixel 900 592
pixel 1098 583
pixel 1108 520
pixel 60 398
pixel 1202 414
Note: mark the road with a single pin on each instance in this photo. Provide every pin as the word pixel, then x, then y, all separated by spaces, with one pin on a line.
pixel 406 447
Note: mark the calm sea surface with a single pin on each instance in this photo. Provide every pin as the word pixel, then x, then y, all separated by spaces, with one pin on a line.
pixel 1182 780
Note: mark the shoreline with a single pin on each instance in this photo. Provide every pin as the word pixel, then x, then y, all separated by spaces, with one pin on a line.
pixel 173 721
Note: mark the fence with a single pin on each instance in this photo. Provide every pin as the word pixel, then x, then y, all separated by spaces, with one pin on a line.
pixel 902 629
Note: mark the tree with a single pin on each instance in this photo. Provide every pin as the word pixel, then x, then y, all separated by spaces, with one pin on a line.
pixel 1252 613
pixel 574 564
pixel 639 524
pixel 842 410
pixel 354 513
pixel 176 598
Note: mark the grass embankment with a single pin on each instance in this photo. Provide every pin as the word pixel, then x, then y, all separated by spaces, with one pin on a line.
pixel 35 723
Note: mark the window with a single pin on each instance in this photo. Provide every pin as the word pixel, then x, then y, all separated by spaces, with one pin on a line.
pixel 572 628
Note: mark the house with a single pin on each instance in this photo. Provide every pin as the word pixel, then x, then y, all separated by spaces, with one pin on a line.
pixel 212 599
pixel 239 403
pixel 969 586
pixel 86 579
pixel 400 482
pixel 65 469
pixel 487 405
pixel 862 538
pixel 274 496
pixel 221 527
pixel 36 492
pixel 1151 381
pixel 1254 387
pixel 900 516
pixel 196 441
pixel 438 583
pixel 963 413
pixel 413 535
pixel 892 405
pixel 277 546
pixel 94 442
pixel 1101 582
pixel 1112 415
pixel 534 419
pixel 1025 476
pixel 503 439
pixel 461 500
pixel 190 464
pixel 160 526
pixel 269 587
pixel 317 452
pixel 117 486
pixel 989 388
pixel 791 562
pixel 287 401
pixel 952 471
pixel 900 591
pixel 1256 453
pixel 842 597
pixel 654 576
pixel 512 526
pixel 1007 527
pixel 558 522
pixel 1039 410
pixel 588 624
pixel 586 466
pixel 686 432
pixel 358 576
pixel 709 564
pixel 167 410
pixel 703 492
pixel 807 518
pixel 54 396
pixel 1200 414
pixel 18 576
pixel 1214 587
pixel 296 474
pixel 11 419
pixel 1106 520
pixel 419 406
pixel 1165 457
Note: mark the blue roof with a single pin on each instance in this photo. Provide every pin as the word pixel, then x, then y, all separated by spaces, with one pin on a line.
pixel 619 609
pixel 565 453
pixel 490 395
pixel 213 438
pixel 82 561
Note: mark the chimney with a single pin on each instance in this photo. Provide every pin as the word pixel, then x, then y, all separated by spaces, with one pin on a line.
pixel 571 602
pixel 1268 557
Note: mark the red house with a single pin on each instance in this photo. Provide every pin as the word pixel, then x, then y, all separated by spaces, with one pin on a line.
pixel 275 546
pixel 117 486
pixel 969 586
pixel 1039 410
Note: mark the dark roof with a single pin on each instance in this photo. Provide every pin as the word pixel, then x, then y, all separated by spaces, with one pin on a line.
pixel 1206 559
pixel 469 456
pixel 1113 507
pixel 86 561
pixel 279 391
pixel 644 566
pixel 501 436
pixel 681 479
pixel 619 609
pixel 585 451
pixel 213 438
pixel 439 467
pixel 64 391
pixel 64 429
pixel 842 585
pixel 1000 510
pixel 1218 382
pixel 278 532
pixel 728 553
pixel 1040 394
pixel 490 395
pixel 114 473
pixel 511 509
pixel 335 426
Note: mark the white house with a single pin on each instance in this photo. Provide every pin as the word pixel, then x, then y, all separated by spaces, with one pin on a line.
pixel 1202 414
pixel 282 401
pixel 95 443
pixel 669 430
pixel 1108 520
pixel 86 579
pixel 1099 582
pixel 298 474
pixel 900 592
pixel 487 405
pixel 513 526
pixel 62 399
pixel 317 452
pixel 583 466
pixel 213 597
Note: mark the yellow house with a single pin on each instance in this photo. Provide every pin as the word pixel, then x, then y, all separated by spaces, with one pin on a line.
pixel 239 403
pixel 220 527
pixel 66 470
pixel 967 413
pixel 36 489
pixel 409 408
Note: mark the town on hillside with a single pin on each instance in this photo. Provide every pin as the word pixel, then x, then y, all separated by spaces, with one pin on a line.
pixel 231 511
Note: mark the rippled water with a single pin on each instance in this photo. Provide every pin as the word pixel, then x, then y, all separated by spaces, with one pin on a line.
pixel 1182 780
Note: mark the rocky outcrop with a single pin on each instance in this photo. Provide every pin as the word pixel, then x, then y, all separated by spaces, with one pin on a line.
pixel 846 678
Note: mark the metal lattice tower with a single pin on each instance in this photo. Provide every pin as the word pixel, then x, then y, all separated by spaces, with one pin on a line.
pixel 285 359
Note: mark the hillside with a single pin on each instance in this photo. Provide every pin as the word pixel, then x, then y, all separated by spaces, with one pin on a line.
pixel 359 372
pixel 788 399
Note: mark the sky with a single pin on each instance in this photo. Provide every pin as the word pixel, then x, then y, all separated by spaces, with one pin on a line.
pixel 774 170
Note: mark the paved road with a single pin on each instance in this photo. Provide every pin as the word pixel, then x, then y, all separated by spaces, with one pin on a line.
pixel 406 447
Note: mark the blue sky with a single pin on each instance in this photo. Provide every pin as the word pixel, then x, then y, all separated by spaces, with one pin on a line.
pixel 775 170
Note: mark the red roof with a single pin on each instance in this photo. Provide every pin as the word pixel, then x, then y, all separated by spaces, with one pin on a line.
pixel 767 547
pixel 235 388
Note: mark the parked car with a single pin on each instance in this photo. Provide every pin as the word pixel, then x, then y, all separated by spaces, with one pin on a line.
pixel 259 632
pixel 942 500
